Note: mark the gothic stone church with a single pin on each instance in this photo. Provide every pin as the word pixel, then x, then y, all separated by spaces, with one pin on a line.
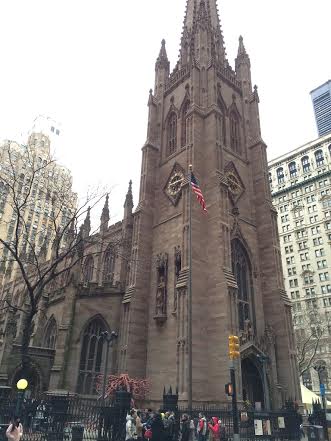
pixel 206 114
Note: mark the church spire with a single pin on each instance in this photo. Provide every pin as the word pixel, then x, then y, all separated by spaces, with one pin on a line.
pixel 104 219
pixel 86 227
pixel 202 15
pixel 162 60
pixel 128 204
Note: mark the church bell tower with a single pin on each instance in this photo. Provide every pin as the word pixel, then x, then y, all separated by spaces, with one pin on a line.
pixel 206 114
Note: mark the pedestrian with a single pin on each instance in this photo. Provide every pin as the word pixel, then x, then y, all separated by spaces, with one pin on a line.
pixel 202 427
pixel 130 427
pixel 15 430
pixel 192 430
pixel 169 425
pixel 214 429
pixel 185 428
pixel 157 427
pixel 139 426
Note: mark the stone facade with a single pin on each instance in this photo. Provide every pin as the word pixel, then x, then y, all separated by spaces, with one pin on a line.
pixel 300 184
pixel 206 114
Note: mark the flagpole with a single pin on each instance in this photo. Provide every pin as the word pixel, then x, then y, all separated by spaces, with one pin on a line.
pixel 189 299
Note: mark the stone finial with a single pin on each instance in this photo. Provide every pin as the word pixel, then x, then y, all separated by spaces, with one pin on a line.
pixel 104 219
pixel 162 61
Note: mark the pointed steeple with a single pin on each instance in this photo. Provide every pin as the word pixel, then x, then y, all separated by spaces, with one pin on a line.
pixel 128 204
pixel 162 60
pixel 241 48
pixel 104 219
pixel 86 227
pixel 202 15
pixel 243 63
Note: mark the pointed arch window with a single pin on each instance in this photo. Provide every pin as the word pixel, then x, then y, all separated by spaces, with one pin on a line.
pixel 185 128
pixel 88 269
pixel 109 265
pixel 280 175
pixel 305 164
pixel 91 357
pixel 292 167
pixel 234 132
pixel 50 334
pixel 172 134
pixel 319 158
pixel 241 268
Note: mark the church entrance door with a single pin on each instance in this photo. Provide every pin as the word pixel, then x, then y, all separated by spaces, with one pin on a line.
pixel 252 382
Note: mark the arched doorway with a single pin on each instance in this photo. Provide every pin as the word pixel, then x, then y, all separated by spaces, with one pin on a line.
pixel 251 382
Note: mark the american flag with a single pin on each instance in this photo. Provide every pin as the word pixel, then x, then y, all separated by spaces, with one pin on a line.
pixel 197 190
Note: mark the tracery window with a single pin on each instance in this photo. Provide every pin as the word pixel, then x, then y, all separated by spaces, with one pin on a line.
pixel 50 334
pixel 88 269
pixel 292 167
pixel 305 164
pixel 242 272
pixel 280 175
pixel 319 158
pixel 109 265
pixel 185 134
pixel 234 132
pixel 172 134
pixel 91 357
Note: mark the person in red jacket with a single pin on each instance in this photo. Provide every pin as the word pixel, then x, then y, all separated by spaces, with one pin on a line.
pixel 214 428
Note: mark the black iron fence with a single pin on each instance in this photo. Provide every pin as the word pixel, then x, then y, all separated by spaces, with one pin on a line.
pixel 67 418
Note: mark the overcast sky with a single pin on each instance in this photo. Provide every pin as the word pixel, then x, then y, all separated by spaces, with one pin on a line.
pixel 90 63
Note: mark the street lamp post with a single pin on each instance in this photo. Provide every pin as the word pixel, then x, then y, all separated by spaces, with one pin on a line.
pixel 320 368
pixel 21 385
pixel 108 338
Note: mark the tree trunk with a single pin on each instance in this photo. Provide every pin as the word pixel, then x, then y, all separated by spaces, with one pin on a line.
pixel 27 332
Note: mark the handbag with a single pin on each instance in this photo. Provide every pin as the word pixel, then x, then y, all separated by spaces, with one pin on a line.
pixel 148 434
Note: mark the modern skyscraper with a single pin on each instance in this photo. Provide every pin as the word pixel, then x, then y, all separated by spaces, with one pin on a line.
pixel 300 183
pixel 321 98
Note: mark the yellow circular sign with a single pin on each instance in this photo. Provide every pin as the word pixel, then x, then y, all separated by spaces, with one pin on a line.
pixel 22 384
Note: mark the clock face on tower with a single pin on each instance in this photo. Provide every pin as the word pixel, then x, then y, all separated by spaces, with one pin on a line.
pixel 234 183
pixel 173 186
pixel 175 183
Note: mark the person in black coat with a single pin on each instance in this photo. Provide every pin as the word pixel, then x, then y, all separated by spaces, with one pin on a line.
pixel 185 428
pixel 157 427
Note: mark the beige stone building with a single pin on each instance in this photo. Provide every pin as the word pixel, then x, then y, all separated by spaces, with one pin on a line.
pixel 28 171
pixel 203 113
pixel 301 189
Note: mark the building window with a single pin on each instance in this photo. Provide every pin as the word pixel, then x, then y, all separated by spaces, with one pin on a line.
pixel 172 134
pixel 306 380
pixel 292 167
pixel 109 266
pixel 305 164
pixel 280 175
pixel 319 158
pixel 88 269
pixel 185 123
pixel 50 334
pixel 242 271
pixel 91 357
pixel 234 132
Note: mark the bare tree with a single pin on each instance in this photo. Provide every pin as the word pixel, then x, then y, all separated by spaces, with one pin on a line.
pixel 311 330
pixel 45 235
